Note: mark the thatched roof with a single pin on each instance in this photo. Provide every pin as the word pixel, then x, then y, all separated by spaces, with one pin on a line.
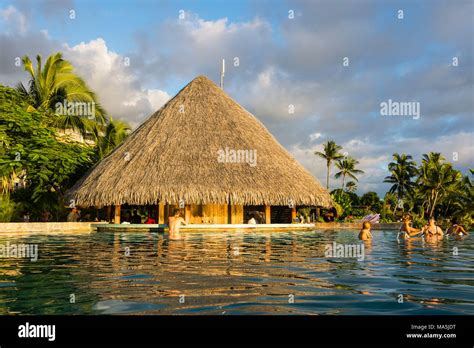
pixel 173 155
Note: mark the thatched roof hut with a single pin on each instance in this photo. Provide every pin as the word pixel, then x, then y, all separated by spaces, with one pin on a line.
pixel 174 155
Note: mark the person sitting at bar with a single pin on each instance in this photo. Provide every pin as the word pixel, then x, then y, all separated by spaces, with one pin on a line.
pixel 252 220
pixel 73 216
pixel 150 220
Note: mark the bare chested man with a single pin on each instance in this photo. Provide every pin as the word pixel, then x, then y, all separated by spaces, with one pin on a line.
pixel 175 223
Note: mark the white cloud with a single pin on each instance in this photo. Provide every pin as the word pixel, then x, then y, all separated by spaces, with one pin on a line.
pixel 315 136
pixel 109 74
pixel 14 18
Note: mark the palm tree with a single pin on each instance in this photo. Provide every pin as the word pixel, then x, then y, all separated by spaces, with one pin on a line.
pixel 347 167
pixel 55 82
pixel 351 186
pixel 115 133
pixel 330 153
pixel 402 170
pixel 436 179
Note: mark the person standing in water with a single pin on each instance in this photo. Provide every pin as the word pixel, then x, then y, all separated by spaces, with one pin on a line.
pixel 406 231
pixel 175 223
pixel 432 232
pixel 365 233
pixel 456 230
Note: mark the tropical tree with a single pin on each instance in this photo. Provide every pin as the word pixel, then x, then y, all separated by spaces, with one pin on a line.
pixel 372 200
pixel 402 171
pixel 437 178
pixel 55 83
pixel 343 200
pixel 330 154
pixel 115 133
pixel 347 167
pixel 31 146
pixel 351 186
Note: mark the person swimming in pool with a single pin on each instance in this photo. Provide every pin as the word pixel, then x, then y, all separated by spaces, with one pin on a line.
pixel 175 223
pixel 365 233
pixel 406 231
pixel 431 232
pixel 456 230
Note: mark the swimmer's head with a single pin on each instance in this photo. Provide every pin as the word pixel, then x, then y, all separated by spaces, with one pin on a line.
pixel 366 225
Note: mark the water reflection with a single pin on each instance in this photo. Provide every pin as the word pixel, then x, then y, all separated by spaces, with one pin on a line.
pixel 248 273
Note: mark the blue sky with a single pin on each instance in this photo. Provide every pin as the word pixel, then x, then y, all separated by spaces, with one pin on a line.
pixel 283 61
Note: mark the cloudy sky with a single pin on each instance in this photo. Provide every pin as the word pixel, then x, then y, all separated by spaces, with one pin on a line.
pixel 334 61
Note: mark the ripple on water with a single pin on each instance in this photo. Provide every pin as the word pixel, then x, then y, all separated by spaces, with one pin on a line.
pixel 236 273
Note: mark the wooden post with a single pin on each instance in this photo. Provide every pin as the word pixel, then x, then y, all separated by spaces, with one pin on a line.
pixel 167 213
pixel 237 214
pixel 268 215
pixel 187 213
pixel 108 212
pixel 117 214
pixel 161 213
pixel 293 214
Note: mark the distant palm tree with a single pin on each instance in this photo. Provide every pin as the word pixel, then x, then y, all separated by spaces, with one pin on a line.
pixel 55 83
pixel 402 171
pixel 115 133
pixel 330 154
pixel 351 186
pixel 347 168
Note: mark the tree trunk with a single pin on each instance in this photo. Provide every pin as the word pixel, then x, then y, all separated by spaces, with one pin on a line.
pixel 434 204
pixel 327 177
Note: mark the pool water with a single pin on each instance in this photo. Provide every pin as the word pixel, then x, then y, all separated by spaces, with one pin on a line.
pixel 236 273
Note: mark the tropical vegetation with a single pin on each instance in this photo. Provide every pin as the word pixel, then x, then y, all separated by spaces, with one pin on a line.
pixel 432 187
pixel 38 161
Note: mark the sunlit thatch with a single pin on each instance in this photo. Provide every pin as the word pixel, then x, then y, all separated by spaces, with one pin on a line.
pixel 174 155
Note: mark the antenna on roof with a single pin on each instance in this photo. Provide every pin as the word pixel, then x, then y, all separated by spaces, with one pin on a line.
pixel 222 73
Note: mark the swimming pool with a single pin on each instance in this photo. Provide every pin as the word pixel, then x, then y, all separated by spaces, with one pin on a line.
pixel 236 273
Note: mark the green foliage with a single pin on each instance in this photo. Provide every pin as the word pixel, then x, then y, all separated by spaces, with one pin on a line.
pixel 372 200
pixel 30 147
pixel 351 187
pixel 55 82
pixel 343 200
pixel 437 189
pixel 347 167
pixel 115 134
pixel 353 196
pixel 338 207
pixel 418 221
pixel 331 153
pixel 8 208
pixel 402 171
pixel 304 212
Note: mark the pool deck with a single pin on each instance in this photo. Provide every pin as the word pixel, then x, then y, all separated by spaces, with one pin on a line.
pixel 88 227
